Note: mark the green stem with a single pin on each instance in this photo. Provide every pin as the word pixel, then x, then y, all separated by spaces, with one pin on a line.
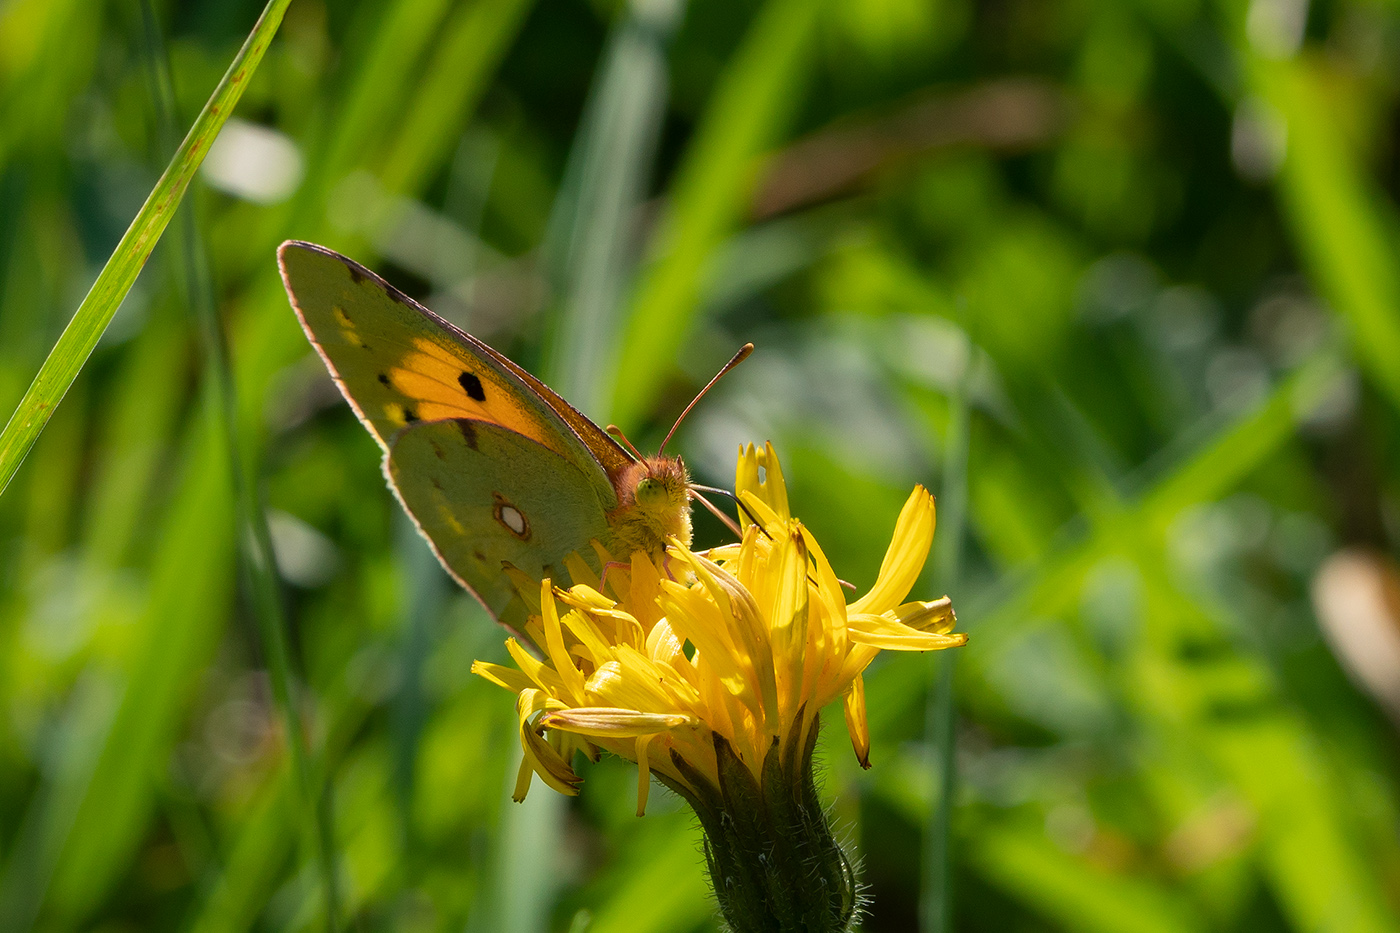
pixel 935 903
pixel 774 863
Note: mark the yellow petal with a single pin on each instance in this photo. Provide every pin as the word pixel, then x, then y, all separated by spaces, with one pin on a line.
pixel 828 585
pixel 787 619
pixel 771 489
pixel 904 561
pixel 724 552
pixel 663 645
pixel 856 723
pixel 889 635
pixel 540 673
pixel 586 597
pixel 543 758
pixel 618 627
pixel 758 508
pixel 934 615
pixel 592 644
pixel 631 681
pixel 611 722
pixel 580 574
pixel 525 585
pixel 554 645
pixel 643 589
pixel 523 776
pixel 508 677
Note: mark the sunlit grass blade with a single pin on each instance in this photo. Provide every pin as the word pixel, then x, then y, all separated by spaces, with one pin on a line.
pixel 588 247
pixel 79 338
pixel 757 94
pixel 91 829
pixel 475 37
pixel 1071 891
pixel 1218 462
pixel 1337 215
pixel 529 831
pixel 664 888
pixel 1311 858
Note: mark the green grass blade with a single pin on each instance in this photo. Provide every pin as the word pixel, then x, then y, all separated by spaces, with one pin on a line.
pixel 1071 892
pixel 589 243
pixel 79 338
pixel 1322 878
pixel 476 37
pixel 664 887
pixel 530 830
pixel 752 104
pixel 1337 216
pixel 191 593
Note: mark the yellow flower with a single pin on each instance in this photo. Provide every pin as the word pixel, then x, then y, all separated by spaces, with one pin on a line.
pixel 730 652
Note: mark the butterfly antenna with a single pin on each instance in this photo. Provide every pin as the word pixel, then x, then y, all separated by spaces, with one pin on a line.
pixel 739 357
pixel 753 518
pixel 616 432
pixel 714 510
pixel 737 501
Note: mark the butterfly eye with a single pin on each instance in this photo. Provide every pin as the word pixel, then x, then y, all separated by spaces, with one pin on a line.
pixel 649 492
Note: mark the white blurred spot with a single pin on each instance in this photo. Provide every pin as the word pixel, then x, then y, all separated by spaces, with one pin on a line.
pixel 1275 27
pixel 1356 595
pixel 1117 285
pixel 241 728
pixel 1070 826
pixel 1289 325
pixel 252 162
pixel 1183 318
pixel 1237 378
pixel 304 555
pixel 1258 140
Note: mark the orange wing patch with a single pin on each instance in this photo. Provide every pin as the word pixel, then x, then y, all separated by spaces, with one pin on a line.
pixel 439 383
pixel 399 364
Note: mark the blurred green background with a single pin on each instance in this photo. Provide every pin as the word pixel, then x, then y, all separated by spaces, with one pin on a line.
pixel 1118 280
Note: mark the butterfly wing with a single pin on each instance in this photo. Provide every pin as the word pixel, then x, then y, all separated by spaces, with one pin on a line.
pixel 491 464
pixel 397 363
pixel 483 494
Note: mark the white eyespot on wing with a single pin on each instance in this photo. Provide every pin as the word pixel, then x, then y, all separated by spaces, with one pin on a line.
pixel 513 519
pixel 510 517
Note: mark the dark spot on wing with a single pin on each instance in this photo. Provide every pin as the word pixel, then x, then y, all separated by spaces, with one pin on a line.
pixel 472 386
pixel 356 275
pixel 410 416
pixel 383 379
pixel 479 556
pixel 468 431
pixel 434 480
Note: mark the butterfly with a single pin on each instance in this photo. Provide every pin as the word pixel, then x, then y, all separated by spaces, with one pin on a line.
pixel 494 467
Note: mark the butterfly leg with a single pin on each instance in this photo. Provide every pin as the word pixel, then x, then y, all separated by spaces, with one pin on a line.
pixel 603 580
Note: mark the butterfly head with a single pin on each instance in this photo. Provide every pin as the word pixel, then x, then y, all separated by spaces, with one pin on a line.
pixel 653 505
pixel 654 493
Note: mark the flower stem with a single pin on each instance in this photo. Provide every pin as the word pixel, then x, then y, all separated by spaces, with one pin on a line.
pixel 773 861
